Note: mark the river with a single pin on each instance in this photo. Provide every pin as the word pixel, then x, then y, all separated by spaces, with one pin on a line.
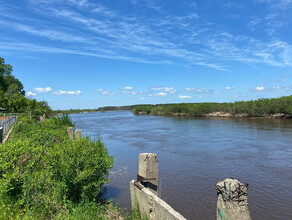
pixel 194 153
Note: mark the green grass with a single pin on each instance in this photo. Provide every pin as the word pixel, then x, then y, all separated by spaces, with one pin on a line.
pixel 44 175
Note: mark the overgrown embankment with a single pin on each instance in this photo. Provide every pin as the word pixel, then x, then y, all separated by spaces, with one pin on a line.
pixel 44 175
pixel 273 108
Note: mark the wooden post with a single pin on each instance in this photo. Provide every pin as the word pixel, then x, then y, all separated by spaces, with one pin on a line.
pixel 77 134
pixel 70 132
pixel 148 170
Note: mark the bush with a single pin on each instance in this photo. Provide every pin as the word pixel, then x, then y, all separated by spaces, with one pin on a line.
pixel 42 171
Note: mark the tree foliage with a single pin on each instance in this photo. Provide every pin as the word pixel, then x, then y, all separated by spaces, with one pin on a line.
pixel 254 108
pixel 12 94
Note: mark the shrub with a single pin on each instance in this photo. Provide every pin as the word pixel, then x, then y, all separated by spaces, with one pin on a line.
pixel 42 171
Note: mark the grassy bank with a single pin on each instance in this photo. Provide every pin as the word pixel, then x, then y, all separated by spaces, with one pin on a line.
pixel 44 175
pixel 276 107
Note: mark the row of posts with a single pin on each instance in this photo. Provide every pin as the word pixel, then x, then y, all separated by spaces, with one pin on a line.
pixel 231 194
pixel 70 131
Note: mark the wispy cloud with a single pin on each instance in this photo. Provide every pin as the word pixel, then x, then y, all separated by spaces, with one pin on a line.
pixel 229 88
pixel 42 90
pixel 127 92
pixel 128 88
pixel 170 90
pixel 185 97
pixel 188 39
pixel 197 90
pixel 62 92
pixel 282 4
pixel 106 92
pixel 253 23
pixel 46 32
pixel 274 89
pixel 158 94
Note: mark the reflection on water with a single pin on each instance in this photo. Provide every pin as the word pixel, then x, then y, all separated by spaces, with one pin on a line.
pixel 194 153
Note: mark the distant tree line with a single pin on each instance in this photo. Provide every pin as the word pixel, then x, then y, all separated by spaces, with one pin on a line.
pixel 73 111
pixel 254 108
pixel 12 94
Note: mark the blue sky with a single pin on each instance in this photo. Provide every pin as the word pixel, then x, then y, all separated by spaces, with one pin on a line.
pixel 88 53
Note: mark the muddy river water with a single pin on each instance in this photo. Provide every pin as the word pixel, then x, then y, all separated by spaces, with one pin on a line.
pixel 194 153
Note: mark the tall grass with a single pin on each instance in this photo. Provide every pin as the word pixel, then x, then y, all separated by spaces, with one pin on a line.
pixel 63 120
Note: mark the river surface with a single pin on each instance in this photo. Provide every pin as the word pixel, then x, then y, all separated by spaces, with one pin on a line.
pixel 194 153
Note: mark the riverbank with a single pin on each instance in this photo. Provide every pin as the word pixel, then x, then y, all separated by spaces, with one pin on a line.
pixel 280 108
pixel 224 115
pixel 45 175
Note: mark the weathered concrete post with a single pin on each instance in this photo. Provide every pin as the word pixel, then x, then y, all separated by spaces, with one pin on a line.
pixel 70 132
pixel 232 200
pixel 42 119
pixel 77 134
pixel 148 169
pixel 144 191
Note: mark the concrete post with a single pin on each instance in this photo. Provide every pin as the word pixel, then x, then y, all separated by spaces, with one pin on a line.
pixel 232 200
pixel 148 169
pixel 42 119
pixel 77 134
pixel 70 132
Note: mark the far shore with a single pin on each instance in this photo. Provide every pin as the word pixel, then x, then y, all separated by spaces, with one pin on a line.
pixel 223 115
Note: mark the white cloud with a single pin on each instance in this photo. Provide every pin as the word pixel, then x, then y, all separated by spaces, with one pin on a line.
pixel 229 87
pixel 260 88
pixel 282 4
pixel 106 92
pixel 142 98
pixel 128 88
pixel 42 90
pixel 62 92
pixel 185 97
pixel 158 94
pixel 46 33
pixel 170 90
pixel 30 94
pixel 197 90
pixel 129 92
pixel 183 40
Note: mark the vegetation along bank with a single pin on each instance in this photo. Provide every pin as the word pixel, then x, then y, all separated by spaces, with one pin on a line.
pixel 271 108
pixel 44 175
